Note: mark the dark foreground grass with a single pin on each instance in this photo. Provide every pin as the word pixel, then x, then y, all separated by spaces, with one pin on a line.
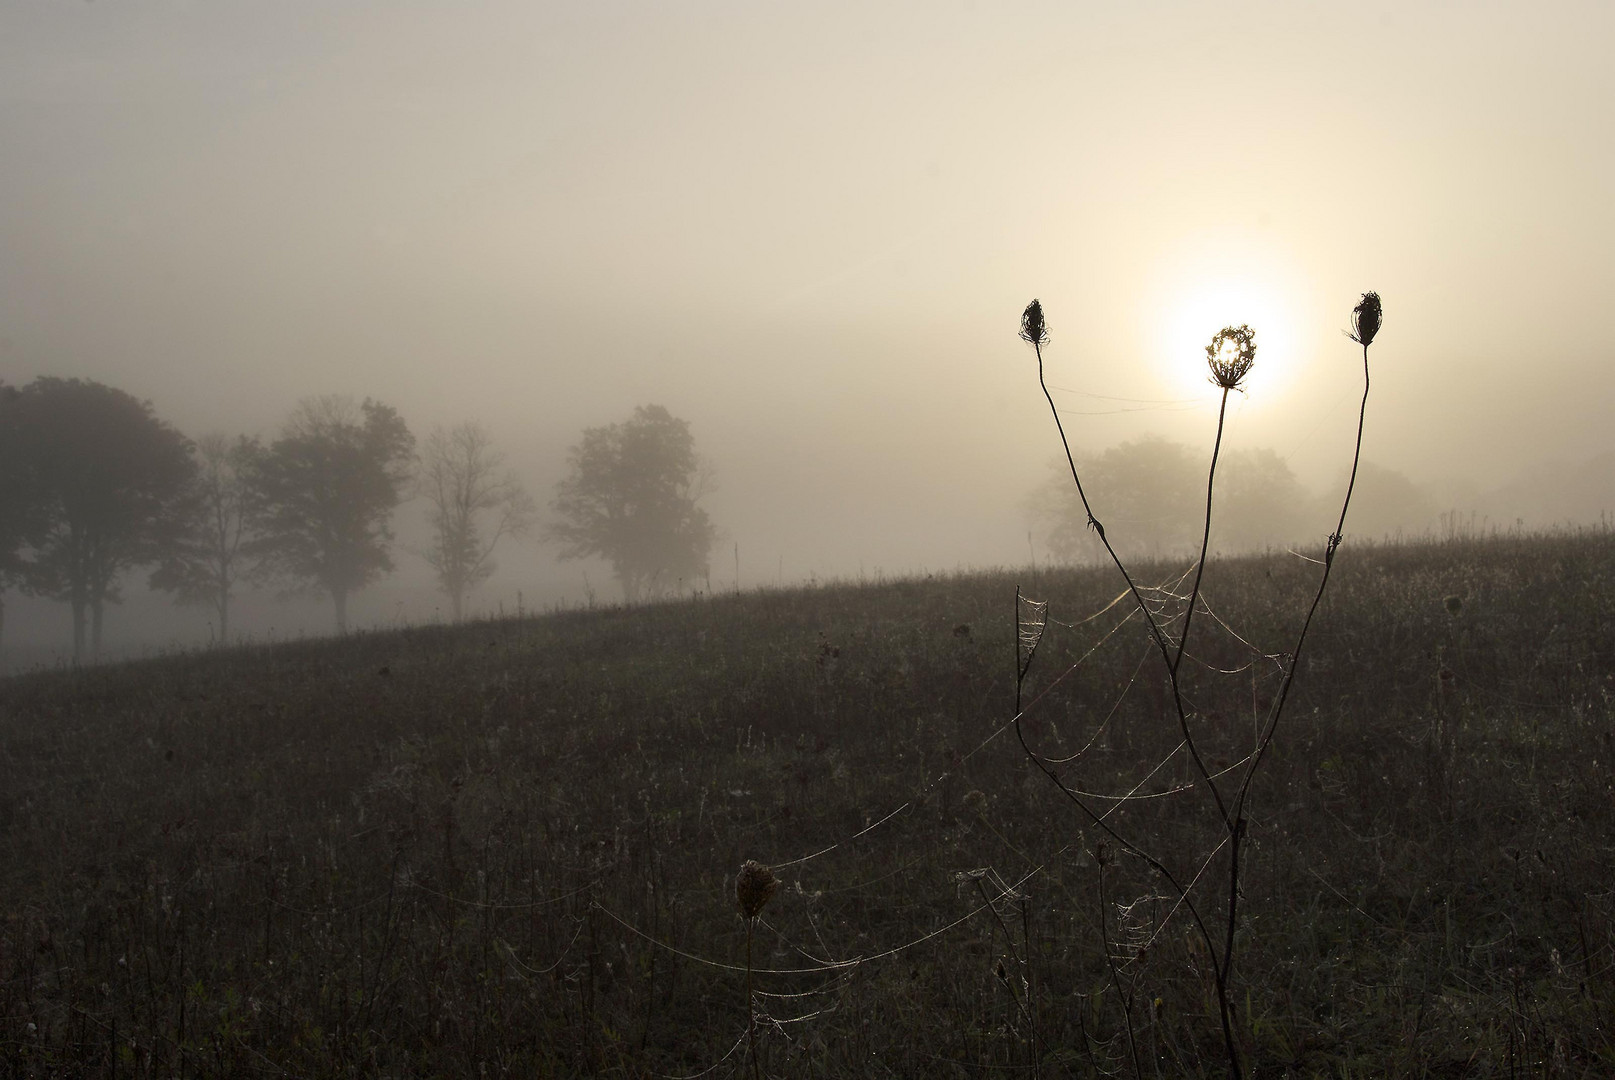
pixel 510 848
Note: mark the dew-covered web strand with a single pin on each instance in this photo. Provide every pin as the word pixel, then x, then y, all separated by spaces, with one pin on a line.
pixel 1100 820
pixel 819 967
pixel 1127 405
pixel 1127 845
pixel 1156 631
pixel 1104 724
pixel 710 1069
pixel 840 969
pixel 1027 638
pixel 932 784
pixel 823 965
pixel 1135 793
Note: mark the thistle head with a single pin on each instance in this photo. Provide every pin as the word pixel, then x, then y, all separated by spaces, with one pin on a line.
pixel 755 886
pixel 1366 318
pixel 1231 355
pixel 1032 328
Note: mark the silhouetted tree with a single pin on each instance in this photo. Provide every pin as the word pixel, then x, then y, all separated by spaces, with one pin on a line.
pixel 1387 503
pixel 324 494
pixel 1150 493
pixel 1260 503
pixel 205 566
pixel 1146 492
pixel 112 483
pixel 474 501
pixel 631 499
pixel 18 499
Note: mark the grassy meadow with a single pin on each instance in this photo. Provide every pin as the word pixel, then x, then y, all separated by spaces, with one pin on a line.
pixel 510 848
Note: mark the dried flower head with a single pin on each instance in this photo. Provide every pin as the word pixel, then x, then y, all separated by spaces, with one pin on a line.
pixel 975 802
pixel 1032 328
pixel 1454 605
pixel 1366 318
pixel 755 886
pixel 1231 355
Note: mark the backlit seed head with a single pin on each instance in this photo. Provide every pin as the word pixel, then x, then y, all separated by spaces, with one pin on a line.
pixel 1366 318
pixel 1032 328
pixel 1231 355
pixel 755 886
pixel 975 802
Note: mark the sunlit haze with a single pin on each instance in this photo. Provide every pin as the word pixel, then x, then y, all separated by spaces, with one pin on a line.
pixel 810 230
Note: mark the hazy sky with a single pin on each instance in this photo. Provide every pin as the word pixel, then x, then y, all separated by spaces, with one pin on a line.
pixel 810 229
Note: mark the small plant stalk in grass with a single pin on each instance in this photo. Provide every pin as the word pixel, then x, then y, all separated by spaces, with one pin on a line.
pixel 1230 357
pixel 1101 857
pixel 755 886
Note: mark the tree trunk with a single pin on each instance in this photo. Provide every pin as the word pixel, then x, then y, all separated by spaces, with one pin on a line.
pixel 340 598
pixel 78 625
pixel 456 603
pixel 224 618
pixel 97 607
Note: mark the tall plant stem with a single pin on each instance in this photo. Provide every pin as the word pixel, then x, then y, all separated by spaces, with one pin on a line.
pixel 1333 544
pixel 1156 633
pixel 1205 536
pixel 1237 821
pixel 751 1006
pixel 1220 964
pixel 1188 616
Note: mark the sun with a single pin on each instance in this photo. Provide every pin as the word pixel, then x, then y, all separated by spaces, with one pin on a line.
pixel 1202 288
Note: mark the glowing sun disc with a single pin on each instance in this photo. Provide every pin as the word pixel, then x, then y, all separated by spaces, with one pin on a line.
pixel 1223 287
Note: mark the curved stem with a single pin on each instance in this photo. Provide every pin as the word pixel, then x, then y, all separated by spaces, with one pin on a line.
pixel 751 1004
pixel 1121 841
pixel 1156 633
pixel 1205 537
pixel 1220 964
pixel 1277 711
pixel 1188 615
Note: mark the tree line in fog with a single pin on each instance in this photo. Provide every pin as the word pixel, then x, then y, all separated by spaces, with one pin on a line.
pixel 1153 490
pixel 94 486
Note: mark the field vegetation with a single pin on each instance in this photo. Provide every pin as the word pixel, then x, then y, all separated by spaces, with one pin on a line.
pixel 511 847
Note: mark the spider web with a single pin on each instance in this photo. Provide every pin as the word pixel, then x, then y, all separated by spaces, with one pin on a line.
pixel 1166 603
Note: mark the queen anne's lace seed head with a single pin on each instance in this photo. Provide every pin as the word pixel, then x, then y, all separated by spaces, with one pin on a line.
pixel 1366 318
pixel 754 888
pixel 1032 328
pixel 1231 355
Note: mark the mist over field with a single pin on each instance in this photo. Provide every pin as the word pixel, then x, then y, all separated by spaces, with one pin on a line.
pixel 630 442
pixel 809 232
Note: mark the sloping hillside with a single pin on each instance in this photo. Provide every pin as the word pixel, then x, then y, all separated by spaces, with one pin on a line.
pixel 513 845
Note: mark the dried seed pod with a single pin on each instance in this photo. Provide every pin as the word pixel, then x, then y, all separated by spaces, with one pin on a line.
pixel 1231 355
pixel 755 886
pixel 1032 328
pixel 1366 318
